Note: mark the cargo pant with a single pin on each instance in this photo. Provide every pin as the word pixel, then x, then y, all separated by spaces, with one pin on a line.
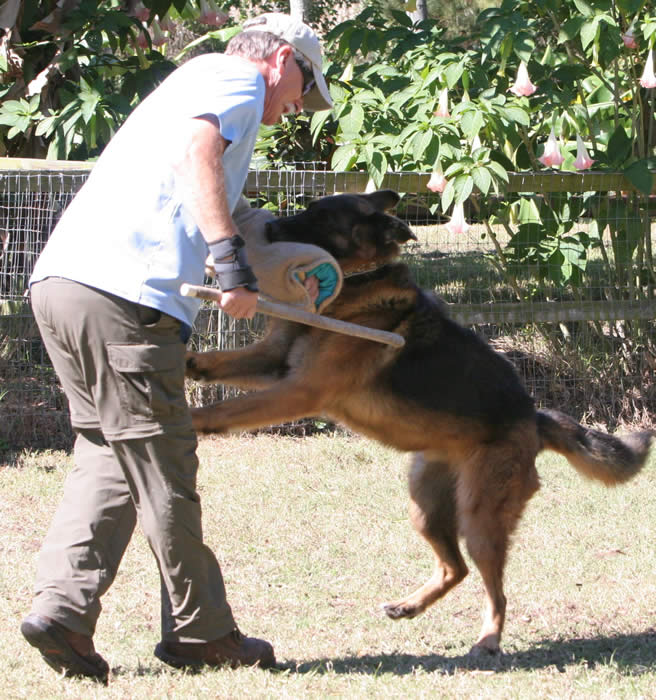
pixel 122 368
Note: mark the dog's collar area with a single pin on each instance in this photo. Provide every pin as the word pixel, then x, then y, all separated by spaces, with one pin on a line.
pixel 365 268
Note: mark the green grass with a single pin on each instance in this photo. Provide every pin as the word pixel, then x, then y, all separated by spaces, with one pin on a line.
pixel 313 535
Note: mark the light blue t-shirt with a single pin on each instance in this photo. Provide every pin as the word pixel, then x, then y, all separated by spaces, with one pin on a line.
pixel 127 231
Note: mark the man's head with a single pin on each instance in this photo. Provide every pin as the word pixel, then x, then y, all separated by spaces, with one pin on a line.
pixel 292 55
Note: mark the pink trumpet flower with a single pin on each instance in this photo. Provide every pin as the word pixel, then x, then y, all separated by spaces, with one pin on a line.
pixel 210 14
pixel 167 24
pixel 443 105
pixel 458 224
pixel 648 79
pixel 142 40
pixel 552 156
pixel 523 87
pixel 629 39
pixel 141 12
pixel 437 181
pixel 157 35
pixel 583 160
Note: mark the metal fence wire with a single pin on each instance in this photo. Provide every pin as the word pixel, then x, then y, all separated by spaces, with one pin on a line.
pixel 557 273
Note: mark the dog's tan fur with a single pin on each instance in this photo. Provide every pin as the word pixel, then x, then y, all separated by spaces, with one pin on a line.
pixel 446 397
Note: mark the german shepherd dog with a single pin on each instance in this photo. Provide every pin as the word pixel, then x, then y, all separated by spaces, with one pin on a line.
pixel 446 396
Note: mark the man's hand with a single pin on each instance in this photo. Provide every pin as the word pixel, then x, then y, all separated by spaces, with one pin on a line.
pixel 311 285
pixel 239 302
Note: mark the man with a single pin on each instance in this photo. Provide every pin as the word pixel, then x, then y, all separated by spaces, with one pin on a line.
pixel 105 294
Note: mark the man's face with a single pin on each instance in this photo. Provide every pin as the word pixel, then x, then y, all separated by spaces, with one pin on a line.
pixel 284 86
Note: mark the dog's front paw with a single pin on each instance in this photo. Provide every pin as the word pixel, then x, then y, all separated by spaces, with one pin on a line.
pixel 400 610
pixel 194 368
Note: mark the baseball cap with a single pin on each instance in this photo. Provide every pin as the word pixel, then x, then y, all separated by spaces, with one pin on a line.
pixel 305 41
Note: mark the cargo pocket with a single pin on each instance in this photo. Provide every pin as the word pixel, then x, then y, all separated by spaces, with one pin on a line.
pixel 150 379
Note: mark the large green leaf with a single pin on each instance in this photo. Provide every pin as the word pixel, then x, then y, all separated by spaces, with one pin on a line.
pixel 482 179
pixel 639 175
pixel 344 157
pixel 351 122
pixel 619 147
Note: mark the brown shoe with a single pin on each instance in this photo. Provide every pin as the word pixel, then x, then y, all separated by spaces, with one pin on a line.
pixel 67 652
pixel 232 650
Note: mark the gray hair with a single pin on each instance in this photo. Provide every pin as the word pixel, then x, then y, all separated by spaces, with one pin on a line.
pixel 254 45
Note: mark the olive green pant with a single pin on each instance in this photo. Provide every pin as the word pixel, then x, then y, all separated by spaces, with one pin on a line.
pixel 122 368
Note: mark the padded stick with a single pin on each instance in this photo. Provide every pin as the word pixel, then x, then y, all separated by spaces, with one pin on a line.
pixel 292 313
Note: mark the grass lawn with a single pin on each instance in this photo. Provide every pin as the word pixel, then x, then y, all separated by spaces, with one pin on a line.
pixel 313 535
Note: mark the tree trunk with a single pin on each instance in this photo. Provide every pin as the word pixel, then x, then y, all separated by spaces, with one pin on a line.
pixel 300 9
pixel 421 13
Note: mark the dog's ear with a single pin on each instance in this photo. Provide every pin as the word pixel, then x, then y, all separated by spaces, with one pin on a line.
pixel 383 199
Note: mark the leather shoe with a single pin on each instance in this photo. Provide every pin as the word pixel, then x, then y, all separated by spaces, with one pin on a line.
pixel 67 652
pixel 233 650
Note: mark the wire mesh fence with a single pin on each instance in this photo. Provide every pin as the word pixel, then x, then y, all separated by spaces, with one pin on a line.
pixel 557 273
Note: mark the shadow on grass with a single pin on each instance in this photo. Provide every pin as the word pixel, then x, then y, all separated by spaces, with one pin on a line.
pixel 631 653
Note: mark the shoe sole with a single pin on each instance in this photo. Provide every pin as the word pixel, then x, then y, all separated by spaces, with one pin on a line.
pixel 57 652
pixel 176 661
pixel 183 662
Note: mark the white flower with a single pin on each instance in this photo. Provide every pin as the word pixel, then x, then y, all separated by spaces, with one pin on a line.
pixel 583 160
pixel 648 79
pixel 443 106
pixel 458 224
pixel 523 87
pixel 437 181
pixel 552 155
pixel 629 39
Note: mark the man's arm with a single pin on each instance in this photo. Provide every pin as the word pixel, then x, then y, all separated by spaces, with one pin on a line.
pixel 200 171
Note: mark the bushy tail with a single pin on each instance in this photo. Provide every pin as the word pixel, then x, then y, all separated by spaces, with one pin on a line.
pixel 594 454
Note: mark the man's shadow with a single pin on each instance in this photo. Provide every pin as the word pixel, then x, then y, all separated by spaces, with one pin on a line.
pixel 634 653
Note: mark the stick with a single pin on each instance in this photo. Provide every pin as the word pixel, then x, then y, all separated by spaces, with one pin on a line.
pixel 292 313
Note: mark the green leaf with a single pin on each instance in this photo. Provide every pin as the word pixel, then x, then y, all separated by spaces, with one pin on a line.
pixel 351 122
pixel 619 147
pixel 498 170
pixel 516 115
pixel 471 123
pixel 421 143
pixel 344 157
pixel 402 18
pixel 377 167
pixel 639 175
pixel 317 122
pixel 570 29
pixel 453 73
pixel 447 195
pixel 584 8
pixel 88 106
pixel 482 179
pixel 463 187
pixel 589 32
pixel 528 212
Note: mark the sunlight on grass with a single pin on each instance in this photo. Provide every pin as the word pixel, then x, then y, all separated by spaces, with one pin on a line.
pixel 313 536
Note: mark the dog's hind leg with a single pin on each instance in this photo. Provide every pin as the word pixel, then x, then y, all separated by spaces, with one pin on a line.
pixel 433 513
pixel 493 488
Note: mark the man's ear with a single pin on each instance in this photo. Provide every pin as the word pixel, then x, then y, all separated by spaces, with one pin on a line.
pixel 278 59
pixel 383 199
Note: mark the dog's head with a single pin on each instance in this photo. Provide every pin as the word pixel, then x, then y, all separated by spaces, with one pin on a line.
pixel 353 228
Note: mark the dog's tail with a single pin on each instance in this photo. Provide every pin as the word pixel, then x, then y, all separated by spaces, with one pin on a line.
pixel 594 454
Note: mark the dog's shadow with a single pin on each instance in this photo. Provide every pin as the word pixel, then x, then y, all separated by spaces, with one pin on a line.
pixel 635 653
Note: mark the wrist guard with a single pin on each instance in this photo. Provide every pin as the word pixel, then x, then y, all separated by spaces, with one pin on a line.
pixel 231 265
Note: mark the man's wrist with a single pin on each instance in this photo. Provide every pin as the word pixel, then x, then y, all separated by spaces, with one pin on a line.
pixel 231 264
